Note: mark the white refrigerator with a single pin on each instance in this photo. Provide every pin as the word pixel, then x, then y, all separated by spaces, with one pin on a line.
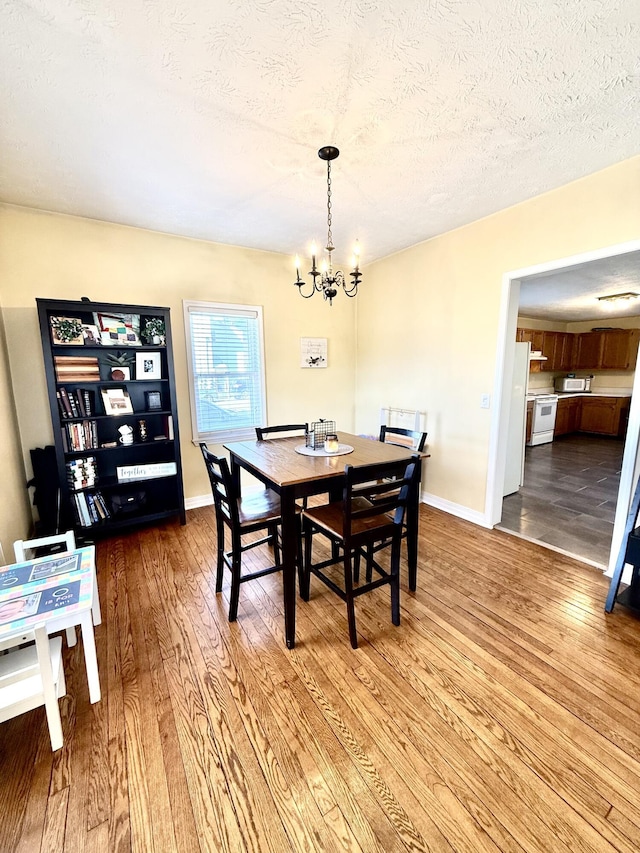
pixel 514 468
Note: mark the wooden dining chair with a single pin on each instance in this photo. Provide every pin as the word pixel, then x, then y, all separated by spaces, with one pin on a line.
pixel 264 432
pixel 357 527
pixel 32 675
pixel 260 511
pixel 403 437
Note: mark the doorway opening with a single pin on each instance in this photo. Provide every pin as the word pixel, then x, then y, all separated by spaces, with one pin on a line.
pixel 576 488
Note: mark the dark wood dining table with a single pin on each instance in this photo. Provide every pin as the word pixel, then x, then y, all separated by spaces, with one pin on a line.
pixel 277 464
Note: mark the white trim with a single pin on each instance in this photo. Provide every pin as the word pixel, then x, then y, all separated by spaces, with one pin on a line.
pixel 198 501
pixel 502 380
pixel 455 509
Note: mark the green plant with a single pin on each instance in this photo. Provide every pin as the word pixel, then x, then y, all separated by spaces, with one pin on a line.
pixel 154 326
pixel 120 359
pixel 66 328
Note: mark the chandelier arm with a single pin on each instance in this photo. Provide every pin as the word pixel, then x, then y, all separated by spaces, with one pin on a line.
pixel 300 284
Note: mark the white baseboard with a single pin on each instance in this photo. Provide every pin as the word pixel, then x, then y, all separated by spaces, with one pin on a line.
pixel 199 500
pixel 456 509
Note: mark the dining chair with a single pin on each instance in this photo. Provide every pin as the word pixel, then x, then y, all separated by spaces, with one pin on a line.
pixel 68 540
pixel 257 512
pixel 32 675
pixel 403 437
pixel 263 432
pixel 360 529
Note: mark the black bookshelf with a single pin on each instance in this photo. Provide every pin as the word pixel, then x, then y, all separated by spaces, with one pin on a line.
pixel 112 397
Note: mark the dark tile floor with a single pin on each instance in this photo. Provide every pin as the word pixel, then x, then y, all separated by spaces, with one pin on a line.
pixel 569 496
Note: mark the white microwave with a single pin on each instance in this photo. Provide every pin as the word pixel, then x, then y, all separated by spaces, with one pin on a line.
pixel 567 384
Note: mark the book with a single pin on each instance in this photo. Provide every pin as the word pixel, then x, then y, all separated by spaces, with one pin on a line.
pixel 65 402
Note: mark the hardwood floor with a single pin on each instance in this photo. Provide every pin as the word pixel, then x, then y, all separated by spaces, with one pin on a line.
pixel 502 715
pixel 569 495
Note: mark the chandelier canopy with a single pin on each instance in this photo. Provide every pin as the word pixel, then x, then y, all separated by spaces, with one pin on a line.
pixel 325 280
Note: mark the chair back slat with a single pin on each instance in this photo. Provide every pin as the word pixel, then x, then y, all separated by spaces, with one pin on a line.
pixel 224 492
pixel 403 437
pixel 263 432
pixel 366 480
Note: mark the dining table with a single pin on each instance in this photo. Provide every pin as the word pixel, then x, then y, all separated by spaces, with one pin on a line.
pixel 56 591
pixel 283 465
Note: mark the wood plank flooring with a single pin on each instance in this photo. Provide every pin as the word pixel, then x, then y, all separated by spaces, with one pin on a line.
pixel 502 715
pixel 569 495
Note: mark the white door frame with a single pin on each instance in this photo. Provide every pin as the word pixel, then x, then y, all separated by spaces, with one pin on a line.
pixel 509 302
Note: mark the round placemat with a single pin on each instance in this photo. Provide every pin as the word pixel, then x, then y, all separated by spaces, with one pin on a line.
pixel 342 450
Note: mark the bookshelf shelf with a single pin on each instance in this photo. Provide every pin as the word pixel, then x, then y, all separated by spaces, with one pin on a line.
pixel 85 400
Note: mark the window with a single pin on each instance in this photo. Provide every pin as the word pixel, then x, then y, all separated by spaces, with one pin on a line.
pixel 226 370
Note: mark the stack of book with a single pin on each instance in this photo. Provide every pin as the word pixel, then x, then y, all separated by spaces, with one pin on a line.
pixel 71 368
pixel 82 473
pixel 90 508
pixel 76 404
pixel 82 435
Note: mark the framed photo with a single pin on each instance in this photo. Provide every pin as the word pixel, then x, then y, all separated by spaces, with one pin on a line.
pixel 148 365
pixel 153 400
pixel 118 329
pixel 91 335
pixel 116 401
pixel 313 352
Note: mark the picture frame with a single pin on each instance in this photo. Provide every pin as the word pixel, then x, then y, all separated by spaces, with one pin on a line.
pixel 313 352
pixel 153 400
pixel 91 335
pixel 116 401
pixel 148 365
pixel 118 330
pixel 66 331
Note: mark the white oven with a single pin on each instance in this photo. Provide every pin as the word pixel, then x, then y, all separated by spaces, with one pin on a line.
pixel 544 418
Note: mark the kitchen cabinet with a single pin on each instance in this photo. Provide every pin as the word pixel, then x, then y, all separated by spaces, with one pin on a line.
pixel 567 415
pixel 529 425
pixel 620 349
pixel 588 351
pixel 604 415
pixel 609 349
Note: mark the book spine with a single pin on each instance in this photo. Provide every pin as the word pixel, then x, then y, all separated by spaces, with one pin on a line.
pixel 88 397
pixel 72 402
pixel 80 403
pixel 63 411
pixel 65 402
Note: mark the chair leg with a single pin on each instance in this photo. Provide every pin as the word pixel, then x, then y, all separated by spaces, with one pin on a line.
pixel 395 581
pixel 220 565
pixel 356 566
pixel 369 573
pixel 305 576
pixel 273 534
pixel 351 612
pixel 236 558
pixel 300 555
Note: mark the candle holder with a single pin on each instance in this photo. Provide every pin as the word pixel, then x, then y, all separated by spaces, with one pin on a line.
pixel 331 443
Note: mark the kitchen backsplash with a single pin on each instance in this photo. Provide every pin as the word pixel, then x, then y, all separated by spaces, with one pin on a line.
pixel 603 382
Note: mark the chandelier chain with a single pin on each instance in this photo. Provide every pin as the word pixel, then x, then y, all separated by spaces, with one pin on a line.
pixel 329 218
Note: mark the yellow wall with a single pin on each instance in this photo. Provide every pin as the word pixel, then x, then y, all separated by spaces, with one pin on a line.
pixel 15 515
pixel 48 255
pixel 428 317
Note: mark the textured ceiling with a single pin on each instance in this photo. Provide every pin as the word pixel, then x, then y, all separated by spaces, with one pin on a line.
pixel 571 294
pixel 204 118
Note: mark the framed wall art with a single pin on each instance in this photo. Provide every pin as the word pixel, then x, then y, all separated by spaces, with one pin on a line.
pixel 313 352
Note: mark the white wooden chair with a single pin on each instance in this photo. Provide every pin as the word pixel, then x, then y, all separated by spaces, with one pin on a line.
pixel 32 676
pixel 20 548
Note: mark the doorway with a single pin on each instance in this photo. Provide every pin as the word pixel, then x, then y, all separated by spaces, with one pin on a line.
pixel 621 480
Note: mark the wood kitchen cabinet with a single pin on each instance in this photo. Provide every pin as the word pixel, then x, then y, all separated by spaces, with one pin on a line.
pixel 529 425
pixel 604 415
pixel 588 351
pixel 567 415
pixel 620 349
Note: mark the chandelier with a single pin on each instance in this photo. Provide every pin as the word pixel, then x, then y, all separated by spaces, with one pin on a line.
pixel 325 280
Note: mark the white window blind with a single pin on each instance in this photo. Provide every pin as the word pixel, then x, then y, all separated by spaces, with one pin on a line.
pixel 226 370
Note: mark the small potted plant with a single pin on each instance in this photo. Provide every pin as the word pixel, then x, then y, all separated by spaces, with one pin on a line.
pixel 120 365
pixel 154 331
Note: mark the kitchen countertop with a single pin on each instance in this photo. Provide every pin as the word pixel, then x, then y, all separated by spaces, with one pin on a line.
pixel 561 396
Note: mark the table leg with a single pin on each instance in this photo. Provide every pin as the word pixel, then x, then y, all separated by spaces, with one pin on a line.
pixel 90 658
pixel 235 475
pixel 289 555
pixel 413 508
